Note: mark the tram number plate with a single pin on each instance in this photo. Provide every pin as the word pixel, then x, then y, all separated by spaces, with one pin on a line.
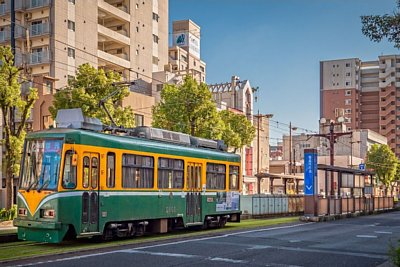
pixel 170 209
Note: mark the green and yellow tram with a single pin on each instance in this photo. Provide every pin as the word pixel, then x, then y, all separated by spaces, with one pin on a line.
pixel 76 182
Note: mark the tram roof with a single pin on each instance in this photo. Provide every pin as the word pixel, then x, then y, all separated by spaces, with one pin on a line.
pixel 78 136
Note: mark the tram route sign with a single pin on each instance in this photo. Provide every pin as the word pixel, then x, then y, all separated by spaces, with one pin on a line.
pixel 310 172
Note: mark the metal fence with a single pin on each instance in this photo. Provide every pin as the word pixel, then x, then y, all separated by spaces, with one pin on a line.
pixel 336 206
pixel 265 205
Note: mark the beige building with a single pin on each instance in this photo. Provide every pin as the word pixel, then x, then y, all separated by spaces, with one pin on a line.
pixel 184 54
pixel 365 93
pixel 237 96
pixel 54 37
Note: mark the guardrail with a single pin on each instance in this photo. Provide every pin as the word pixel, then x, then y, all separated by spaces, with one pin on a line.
pixel 265 205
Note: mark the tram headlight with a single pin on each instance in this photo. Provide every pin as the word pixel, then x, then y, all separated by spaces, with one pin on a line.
pixel 47 214
pixel 22 212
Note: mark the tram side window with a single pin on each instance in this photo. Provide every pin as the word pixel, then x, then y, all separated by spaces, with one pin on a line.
pixel 170 173
pixel 86 168
pixel 234 177
pixel 95 172
pixel 216 176
pixel 137 171
pixel 110 170
pixel 69 176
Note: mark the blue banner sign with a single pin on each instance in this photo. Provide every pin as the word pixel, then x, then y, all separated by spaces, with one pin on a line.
pixel 310 172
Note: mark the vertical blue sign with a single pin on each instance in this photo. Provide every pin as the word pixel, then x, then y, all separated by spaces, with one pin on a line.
pixel 310 171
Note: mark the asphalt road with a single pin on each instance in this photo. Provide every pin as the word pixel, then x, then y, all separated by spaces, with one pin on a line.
pixel 361 241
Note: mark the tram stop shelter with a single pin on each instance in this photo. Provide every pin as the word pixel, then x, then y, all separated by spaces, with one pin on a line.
pixel 294 182
pixel 339 190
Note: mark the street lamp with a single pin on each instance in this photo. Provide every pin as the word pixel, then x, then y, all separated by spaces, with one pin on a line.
pixel 290 147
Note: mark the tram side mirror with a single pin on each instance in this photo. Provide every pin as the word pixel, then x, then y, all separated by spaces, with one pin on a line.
pixel 74 160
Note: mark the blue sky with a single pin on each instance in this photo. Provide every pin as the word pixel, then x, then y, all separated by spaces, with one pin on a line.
pixel 278 44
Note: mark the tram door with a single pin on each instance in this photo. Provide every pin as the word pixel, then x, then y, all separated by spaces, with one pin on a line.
pixel 193 197
pixel 90 195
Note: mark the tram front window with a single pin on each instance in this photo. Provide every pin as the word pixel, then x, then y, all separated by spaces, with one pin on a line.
pixel 41 165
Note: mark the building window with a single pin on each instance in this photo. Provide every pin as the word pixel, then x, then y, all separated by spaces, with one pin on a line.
pixel 347 111
pixel 155 17
pixel 348 74
pixel 347 93
pixel 215 176
pixel 347 101
pixel 139 120
pixel 137 51
pixel 155 60
pixel 202 68
pixel 137 29
pixel 137 6
pixel 184 58
pixel 72 1
pixel 71 52
pixel 137 171
pixel 71 25
pixel 155 38
pixel 349 129
pixel 48 88
pixel 347 65
pixel 170 173
pixel 347 83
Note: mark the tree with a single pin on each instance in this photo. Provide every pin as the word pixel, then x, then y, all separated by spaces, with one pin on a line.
pixel 87 90
pixel 13 105
pixel 188 108
pixel 377 27
pixel 383 161
pixel 238 130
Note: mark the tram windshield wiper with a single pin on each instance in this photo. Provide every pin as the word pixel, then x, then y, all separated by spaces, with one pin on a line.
pixel 43 186
pixel 31 185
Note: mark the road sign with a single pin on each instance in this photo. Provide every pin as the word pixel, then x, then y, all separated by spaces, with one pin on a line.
pixel 361 166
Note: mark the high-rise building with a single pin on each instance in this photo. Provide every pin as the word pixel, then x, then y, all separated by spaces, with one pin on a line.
pixel 54 37
pixel 184 54
pixel 366 94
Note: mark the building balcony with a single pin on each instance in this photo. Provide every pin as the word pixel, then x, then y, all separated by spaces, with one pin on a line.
pixel 115 36
pixel 39 58
pixel 30 4
pixel 5 8
pixel 5 36
pixel 109 11
pixel 116 59
pixel 39 29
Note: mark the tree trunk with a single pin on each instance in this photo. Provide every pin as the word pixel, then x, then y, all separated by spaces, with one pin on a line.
pixel 9 186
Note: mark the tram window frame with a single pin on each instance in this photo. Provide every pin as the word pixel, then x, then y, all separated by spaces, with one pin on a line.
pixel 170 173
pixel 85 175
pixel 140 168
pixel 234 170
pixel 215 176
pixel 111 170
pixel 71 183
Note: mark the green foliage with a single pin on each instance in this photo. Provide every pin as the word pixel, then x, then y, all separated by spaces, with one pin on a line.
pixel 188 108
pixel 383 161
pixel 7 215
pixel 89 87
pixel 238 130
pixel 11 100
pixel 377 27
pixel 394 253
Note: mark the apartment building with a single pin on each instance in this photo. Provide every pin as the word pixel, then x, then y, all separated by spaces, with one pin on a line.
pixel 184 54
pixel 54 37
pixel 366 94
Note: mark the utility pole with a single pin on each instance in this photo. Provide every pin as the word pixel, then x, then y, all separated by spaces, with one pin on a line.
pixel 332 136
pixel 351 150
pixel 259 116
pixel 12 10
pixel 290 147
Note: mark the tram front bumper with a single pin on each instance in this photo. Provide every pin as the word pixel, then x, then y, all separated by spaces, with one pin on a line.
pixel 37 224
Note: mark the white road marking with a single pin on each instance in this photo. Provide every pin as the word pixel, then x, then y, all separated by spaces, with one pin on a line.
pixel 226 260
pixel 383 232
pixel 177 255
pixel 367 236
